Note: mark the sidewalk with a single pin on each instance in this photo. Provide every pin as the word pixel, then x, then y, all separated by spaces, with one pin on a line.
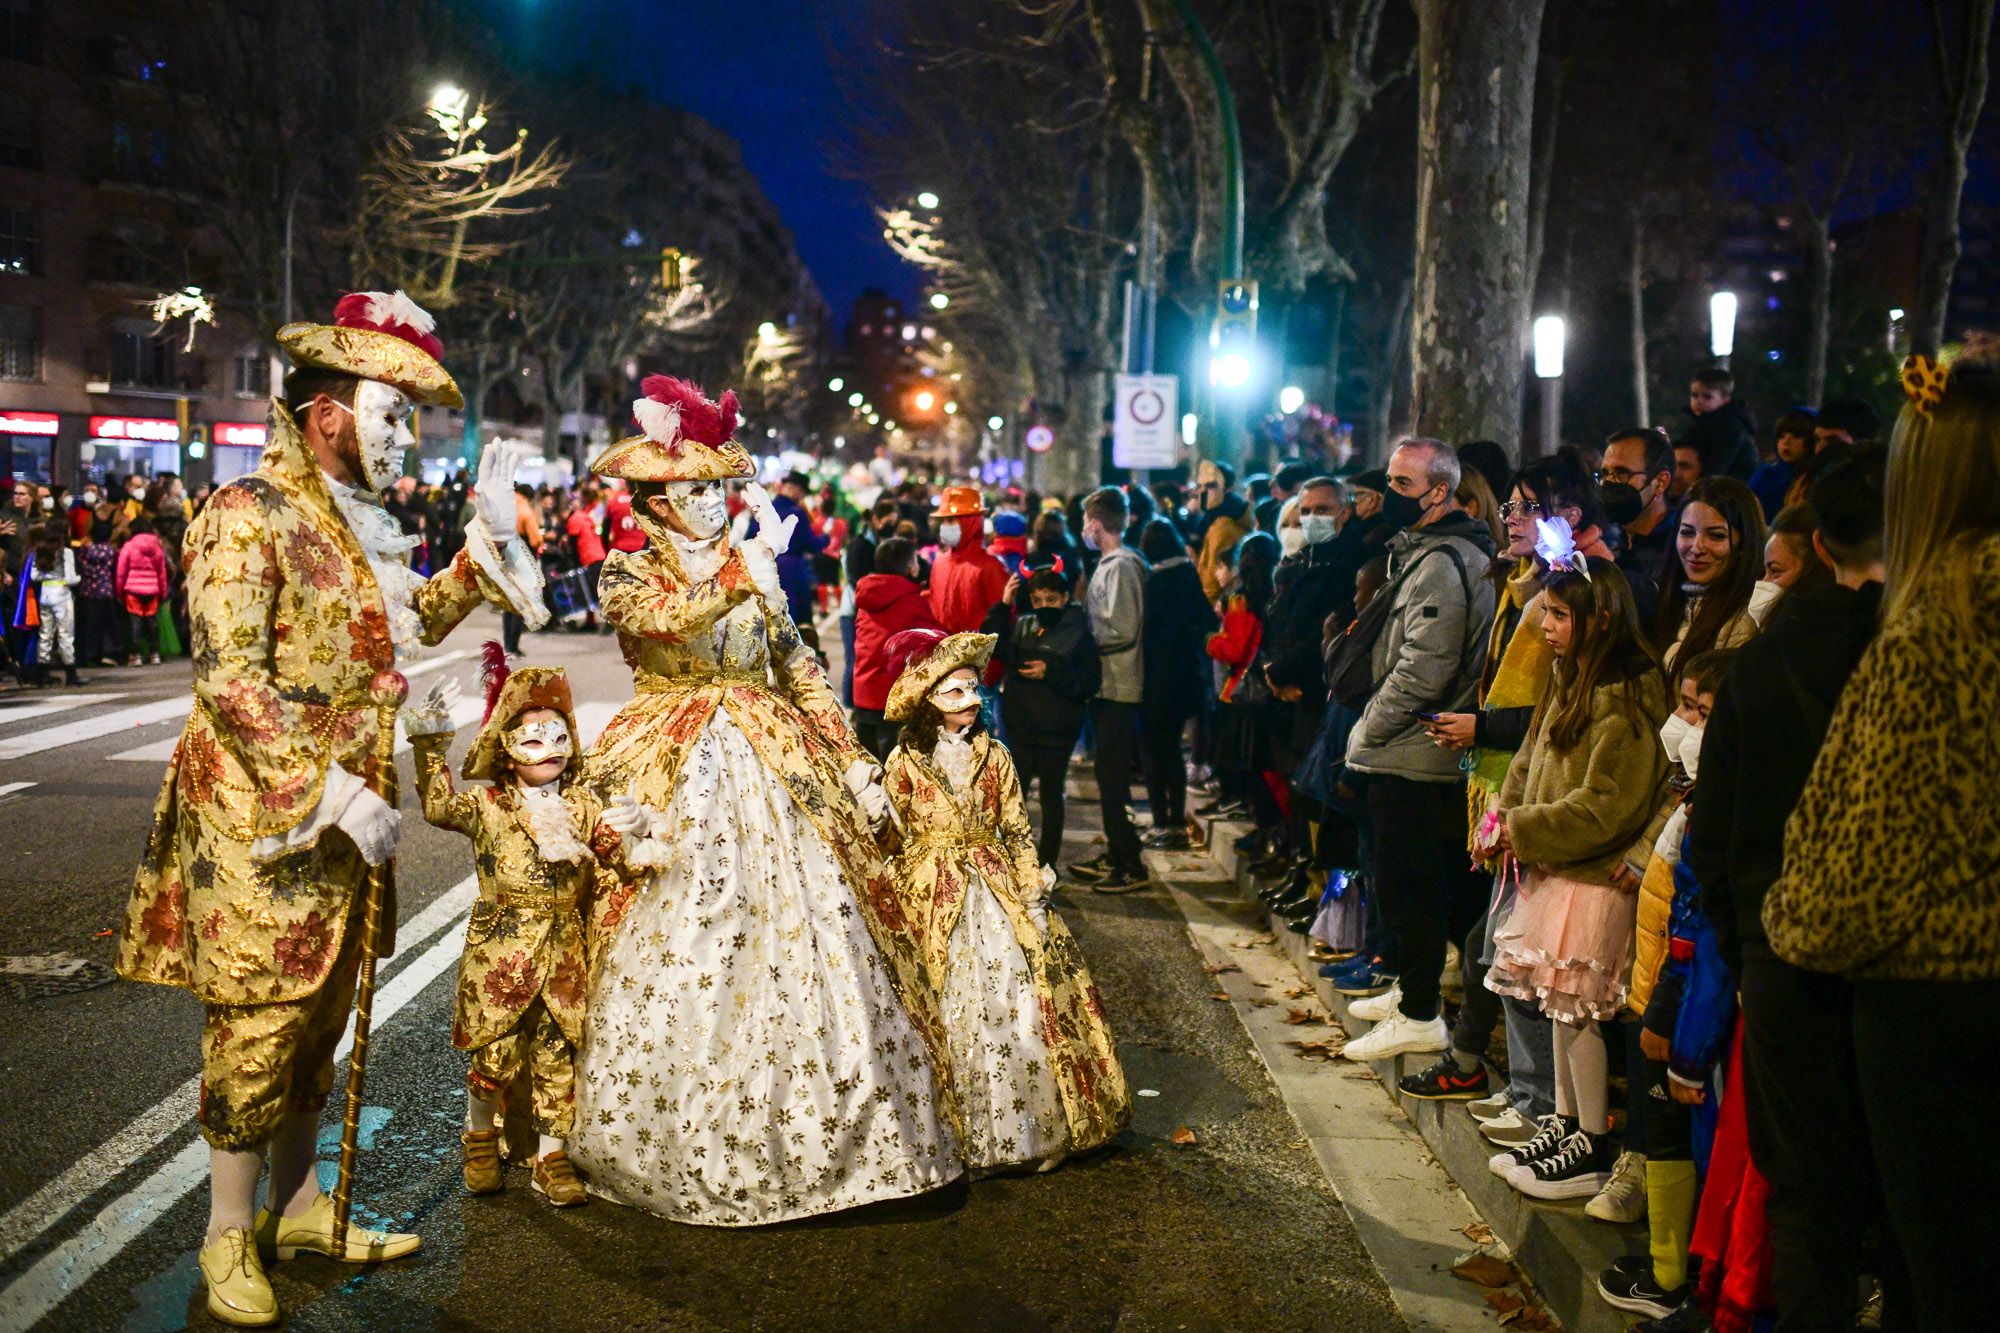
pixel 1559 1248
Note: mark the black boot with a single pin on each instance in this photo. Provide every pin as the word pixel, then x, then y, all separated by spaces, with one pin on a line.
pixel 69 675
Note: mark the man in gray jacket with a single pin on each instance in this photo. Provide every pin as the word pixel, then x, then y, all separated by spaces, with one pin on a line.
pixel 1427 660
pixel 1116 600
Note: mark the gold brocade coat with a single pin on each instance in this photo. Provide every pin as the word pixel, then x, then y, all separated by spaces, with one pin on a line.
pixel 696 646
pixel 946 840
pixel 291 642
pixel 526 935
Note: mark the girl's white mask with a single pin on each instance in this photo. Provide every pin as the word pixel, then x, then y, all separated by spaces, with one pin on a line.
pixel 539 742
pixel 1672 732
pixel 702 507
pixel 955 696
pixel 1690 751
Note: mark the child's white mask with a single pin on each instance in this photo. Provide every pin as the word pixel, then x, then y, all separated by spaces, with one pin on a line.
pixel 539 742
pixel 955 696
pixel 1672 732
pixel 1690 751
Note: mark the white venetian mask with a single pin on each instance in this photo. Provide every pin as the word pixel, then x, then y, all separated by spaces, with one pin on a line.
pixel 382 428
pixel 538 742
pixel 702 507
pixel 955 695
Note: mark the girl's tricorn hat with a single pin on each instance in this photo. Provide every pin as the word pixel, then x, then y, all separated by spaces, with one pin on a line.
pixel 381 336
pixel 682 437
pixel 923 657
pixel 508 695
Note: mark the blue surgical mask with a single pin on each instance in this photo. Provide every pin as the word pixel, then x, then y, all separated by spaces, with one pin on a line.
pixel 1089 540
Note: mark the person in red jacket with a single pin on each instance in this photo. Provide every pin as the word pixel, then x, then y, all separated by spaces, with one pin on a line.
pixel 885 603
pixel 620 528
pixel 142 580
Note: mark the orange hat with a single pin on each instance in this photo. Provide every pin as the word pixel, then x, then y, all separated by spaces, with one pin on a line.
pixel 961 502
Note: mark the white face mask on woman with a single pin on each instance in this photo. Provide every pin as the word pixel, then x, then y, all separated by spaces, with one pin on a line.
pixel 1291 540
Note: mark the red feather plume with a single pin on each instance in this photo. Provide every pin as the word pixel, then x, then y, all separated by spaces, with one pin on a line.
pixel 702 421
pixel 493 673
pixel 906 646
pixel 357 310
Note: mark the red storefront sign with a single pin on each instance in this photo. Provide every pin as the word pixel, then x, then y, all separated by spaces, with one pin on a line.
pixel 29 423
pixel 151 430
pixel 241 433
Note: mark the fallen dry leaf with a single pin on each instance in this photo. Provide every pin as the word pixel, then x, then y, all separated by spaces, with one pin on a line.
pixel 1300 1017
pixel 1217 969
pixel 1184 1137
pixel 1297 992
pixel 1363 1071
pixel 1314 1050
pixel 1262 1003
pixel 1505 1301
pixel 1536 1320
pixel 1484 1269
pixel 1219 995
pixel 1478 1233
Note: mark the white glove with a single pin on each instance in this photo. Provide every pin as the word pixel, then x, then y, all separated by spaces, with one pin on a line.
pixel 1038 916
pixel 373 824
pixel 763 570
pixel 625 816
pixel 773 531
pixel 861 774
pixel 493 494
pixel 432 717
pixel 874 803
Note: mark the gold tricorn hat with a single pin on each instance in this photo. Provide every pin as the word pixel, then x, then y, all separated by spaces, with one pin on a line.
pixel 683 437
pixel 928 658
pixel 508 695
pixel 378 336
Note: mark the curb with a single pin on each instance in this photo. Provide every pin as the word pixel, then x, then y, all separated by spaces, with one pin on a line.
pixel 1561 1249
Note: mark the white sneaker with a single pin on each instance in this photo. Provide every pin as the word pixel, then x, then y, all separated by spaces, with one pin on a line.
pixel 1623 1198
pixel 1398 1035
pixel 1490 1108
pixel 1375 1008
pixel 1510 1130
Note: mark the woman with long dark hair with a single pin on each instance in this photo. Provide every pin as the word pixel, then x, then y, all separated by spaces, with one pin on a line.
pixel 1712 594
pixel 1241 748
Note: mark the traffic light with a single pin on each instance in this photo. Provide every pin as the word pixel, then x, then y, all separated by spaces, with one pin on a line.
pixel 673 269
pixel 1233 339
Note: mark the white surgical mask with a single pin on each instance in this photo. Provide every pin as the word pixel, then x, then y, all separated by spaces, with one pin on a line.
pixel 1317 528
pixel 537 742
pixel 1291 540
pixel 48 502
pixel 702 507
pixel 1690 751
pixel 948 534
pixel 1672 732
pixel 90 498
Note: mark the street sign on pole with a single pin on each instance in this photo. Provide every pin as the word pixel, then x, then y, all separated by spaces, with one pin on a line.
pixel 1040 439
pixel 1145 432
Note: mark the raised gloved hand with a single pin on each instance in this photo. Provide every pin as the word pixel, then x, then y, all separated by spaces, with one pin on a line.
pixel 432 717
pixel 373 824
pixel 624 816
pixel 762 567
pixel 774 532
pixel 493 493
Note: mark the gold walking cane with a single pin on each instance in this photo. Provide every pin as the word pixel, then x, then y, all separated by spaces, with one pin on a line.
pixel 389 689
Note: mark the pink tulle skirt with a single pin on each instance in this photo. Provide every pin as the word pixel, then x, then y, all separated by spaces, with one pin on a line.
pixel 1566 947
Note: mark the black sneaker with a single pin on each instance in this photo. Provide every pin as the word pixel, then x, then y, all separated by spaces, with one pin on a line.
pixel 1689 1318
pixel 1577 1169
pixel 1634 1290
pixel 1096 868
pixel 1121 881
pixel 1550 1130
pixel 1445 1082
pixel 1169 840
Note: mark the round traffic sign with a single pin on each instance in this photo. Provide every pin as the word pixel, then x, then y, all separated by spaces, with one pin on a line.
pixel 1146 407
pixel 1040 439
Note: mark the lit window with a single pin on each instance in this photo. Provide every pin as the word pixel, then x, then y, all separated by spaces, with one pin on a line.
pixel 19 251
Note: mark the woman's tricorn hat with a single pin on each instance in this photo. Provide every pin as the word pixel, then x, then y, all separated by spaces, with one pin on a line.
pixel 682 437
pixel 923 657
pixel 381 336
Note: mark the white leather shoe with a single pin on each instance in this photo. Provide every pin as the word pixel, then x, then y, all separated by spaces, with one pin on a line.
pixel 1397 1035
pixel 1375 1008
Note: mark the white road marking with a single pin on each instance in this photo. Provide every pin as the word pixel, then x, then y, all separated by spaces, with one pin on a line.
pixel 43 707
pixel 159 752
pixel 95 728
pixel 9 788
pixel 430 664
pixel 58 1273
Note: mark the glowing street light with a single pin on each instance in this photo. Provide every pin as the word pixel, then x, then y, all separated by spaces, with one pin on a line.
pixel 836 384
pixel 1231 370
pixel 449 99
pixel 767 332
pixel 1550 335
pixel 951 409
pixel 925 401
pixel 939 300
pixel 995 423
pixel 1291 398
pixel 927 199
pixel 1722 325
pixel 1190 424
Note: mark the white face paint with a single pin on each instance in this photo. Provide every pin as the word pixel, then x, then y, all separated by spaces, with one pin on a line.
pixel 538 742
pixel 702 506
pixel 382 427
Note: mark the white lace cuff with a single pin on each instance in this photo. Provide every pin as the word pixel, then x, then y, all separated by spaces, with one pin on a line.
pixel 647 853
pixel 513 570
pixel 339 792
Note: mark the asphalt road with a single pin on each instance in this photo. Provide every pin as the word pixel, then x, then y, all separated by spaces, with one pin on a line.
pixel 102 1198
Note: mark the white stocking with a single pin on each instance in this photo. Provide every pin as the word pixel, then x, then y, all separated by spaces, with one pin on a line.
pixel 294 1164
pixel 232 1187
pixel 1581 1072
pixel 479 1112
pixel 549 1143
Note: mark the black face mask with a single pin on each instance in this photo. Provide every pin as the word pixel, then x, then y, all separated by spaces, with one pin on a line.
pixel 1401 511
pixel 1048 617
pixel 1623 502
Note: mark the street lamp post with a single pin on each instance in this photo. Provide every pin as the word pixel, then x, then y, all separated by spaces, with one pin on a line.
pixel 1722 326
pixel 1550 335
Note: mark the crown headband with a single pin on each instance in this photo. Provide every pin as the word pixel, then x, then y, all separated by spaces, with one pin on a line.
pixel 1556 545
pixel 1924 382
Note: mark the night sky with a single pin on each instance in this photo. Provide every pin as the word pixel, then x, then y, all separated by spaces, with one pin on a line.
pixel 759 69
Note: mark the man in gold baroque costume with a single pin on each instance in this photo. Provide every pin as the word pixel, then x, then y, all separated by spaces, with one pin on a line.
pixel 282 793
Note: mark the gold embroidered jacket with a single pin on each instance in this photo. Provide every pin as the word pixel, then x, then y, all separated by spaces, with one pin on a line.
pixel 526 936
pixel 949 842
pixel 294 671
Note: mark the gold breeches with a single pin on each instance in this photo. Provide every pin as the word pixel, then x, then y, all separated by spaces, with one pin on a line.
pixel 536 1043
